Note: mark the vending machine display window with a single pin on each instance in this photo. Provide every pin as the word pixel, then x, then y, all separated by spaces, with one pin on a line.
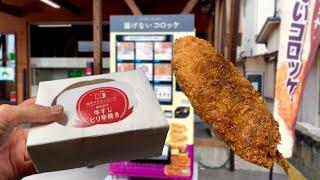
pixel 126 66
pixel 163 51
pixel 152 54
pixel 162 72
pixel 144 51
pixel 147 69
pixel 163 93
pixel 125 50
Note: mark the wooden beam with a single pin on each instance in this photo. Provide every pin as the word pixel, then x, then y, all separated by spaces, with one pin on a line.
pixel 97 36
pixel 133 7
pixel 189 6
pixel 12 10
pixel 69 6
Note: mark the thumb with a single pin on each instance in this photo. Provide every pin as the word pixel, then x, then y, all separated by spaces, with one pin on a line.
pixel 31 113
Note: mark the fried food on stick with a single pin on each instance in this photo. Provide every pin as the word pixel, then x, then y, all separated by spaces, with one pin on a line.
pixel 223 98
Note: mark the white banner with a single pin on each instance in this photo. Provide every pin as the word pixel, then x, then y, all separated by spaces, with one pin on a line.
pixel 299 41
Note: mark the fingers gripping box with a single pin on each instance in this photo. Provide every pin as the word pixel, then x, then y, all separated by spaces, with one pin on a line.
pixel 112 117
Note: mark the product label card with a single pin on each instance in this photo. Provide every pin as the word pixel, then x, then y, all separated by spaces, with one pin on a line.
pixel 102 106
pixel 97 104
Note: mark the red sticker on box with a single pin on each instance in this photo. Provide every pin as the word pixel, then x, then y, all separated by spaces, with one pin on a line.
pixel 102 105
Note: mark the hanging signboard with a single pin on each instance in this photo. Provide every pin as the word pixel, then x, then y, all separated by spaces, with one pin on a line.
pixel 299 41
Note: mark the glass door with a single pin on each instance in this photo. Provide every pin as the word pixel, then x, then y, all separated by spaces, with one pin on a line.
pixel 8 69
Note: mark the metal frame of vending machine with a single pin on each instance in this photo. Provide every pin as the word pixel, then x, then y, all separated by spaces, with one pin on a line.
pixel 146 42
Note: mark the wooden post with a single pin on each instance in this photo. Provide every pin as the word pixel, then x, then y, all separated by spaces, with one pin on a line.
pixel 226 21
pixel 232 29
pixel 229 19
pixel 218 22
pixel 97 36
pixel 235 29
pixel 233 9
pixel 211 23
pixel 211 27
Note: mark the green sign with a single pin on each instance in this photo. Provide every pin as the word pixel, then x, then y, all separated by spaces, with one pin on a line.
pixel 74 73
pixel 12 56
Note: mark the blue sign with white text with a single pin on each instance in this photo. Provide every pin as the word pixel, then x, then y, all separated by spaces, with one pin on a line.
pixel 152 23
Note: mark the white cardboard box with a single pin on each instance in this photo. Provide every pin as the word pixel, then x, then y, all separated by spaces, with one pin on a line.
pixel 110 117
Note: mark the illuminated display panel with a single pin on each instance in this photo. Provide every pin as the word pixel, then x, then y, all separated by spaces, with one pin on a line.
pixel 125 50
pixel 144 51
pixel 147 69
pixel 163 51
pixel 152 54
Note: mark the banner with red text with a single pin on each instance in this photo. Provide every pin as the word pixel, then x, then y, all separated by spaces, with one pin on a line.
pixel 299 41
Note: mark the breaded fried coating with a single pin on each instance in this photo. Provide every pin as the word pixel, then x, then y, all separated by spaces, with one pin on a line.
pixel 223 98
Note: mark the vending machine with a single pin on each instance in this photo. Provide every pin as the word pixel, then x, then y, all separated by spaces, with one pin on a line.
pixel 146 42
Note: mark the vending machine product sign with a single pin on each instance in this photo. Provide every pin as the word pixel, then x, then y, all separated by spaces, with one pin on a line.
pixel 146 42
